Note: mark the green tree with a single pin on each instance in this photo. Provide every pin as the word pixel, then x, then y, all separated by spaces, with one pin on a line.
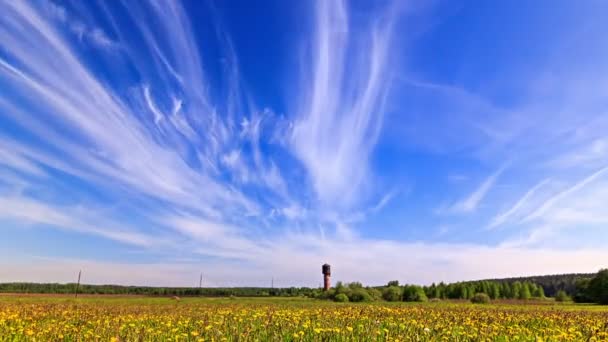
pixel 464 292
pixel 581 293
pixel 561 296
pixel 355 285
pixel 540 292
pixel 506 290
pixel 438 293
pixel 414 293
pixel 360 295
pixel 374 293
pixel 393 283
pixel 515 290
pixel 341 289
pixel 392 294
pixel 598 287
pixel 495 292
pixel 524 293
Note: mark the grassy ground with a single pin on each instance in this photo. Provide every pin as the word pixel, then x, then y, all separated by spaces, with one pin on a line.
pixel 111 318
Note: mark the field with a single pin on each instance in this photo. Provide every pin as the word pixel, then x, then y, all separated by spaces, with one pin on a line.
pixel 56 318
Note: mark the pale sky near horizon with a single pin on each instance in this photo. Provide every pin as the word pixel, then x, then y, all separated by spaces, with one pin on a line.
pixel 145 142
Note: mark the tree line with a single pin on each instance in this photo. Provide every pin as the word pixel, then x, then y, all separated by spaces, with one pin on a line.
pixel 71 288
pixel 584 288
pixel 356 292
pixel 553 283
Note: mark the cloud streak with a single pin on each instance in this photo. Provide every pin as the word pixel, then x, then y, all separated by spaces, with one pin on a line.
pixel 471 202
pixel 341 114
pixel 505 216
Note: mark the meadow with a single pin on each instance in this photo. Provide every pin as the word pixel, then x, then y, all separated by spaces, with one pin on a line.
pixel 99 318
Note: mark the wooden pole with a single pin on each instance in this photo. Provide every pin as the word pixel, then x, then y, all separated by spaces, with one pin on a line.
pixel 200 282
pixel 78 283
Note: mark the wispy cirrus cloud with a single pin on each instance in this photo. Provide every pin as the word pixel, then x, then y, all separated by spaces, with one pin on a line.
pixel 505 216
pixel 551 202
pixel 472 201
pixel 341 107
pixel 174 142
pixel 34 212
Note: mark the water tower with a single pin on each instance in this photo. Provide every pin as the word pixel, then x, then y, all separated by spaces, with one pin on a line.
pixel 326 269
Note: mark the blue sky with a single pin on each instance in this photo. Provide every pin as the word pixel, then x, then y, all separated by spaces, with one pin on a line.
pixel 147 142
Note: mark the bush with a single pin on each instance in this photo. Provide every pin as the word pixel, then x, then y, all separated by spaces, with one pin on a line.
pixel 414 293
pixel 374 293
pixel 341 298
pixel 341 289
pixel 392 294
pixel 360 295
pixel 561 296
pixel 435 300
pixel 480 298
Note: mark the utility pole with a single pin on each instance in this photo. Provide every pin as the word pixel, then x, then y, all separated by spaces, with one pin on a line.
pixel 200 282
pixel 78 283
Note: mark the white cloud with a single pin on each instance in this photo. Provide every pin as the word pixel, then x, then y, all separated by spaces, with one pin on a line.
pixel 470 203
pixel 18 162
pixel 505 216
pixel 152 106
pixel 126 153
pixel 556 198
pixel 579 208
pixel 99 38
pixel 341 110
pixel 294 212
pixel 29 211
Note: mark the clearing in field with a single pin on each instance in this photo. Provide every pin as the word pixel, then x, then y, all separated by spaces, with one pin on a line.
pixel 56 318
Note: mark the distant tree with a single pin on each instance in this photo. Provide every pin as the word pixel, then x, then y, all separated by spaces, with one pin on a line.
pixel 516 289
pixel 341 289
pixel 581 294
pixel 393 283
pixel 355 285
pixel 360 295
pixel 442 290
pixel 471 290
pixel 524 293
pixel 561 296
pixel 374 293
pixel 464 292
pixel 598 287
pixel 540 292
pixel 414 293
pixel 495 291
pixel 485 287
pixel 430 290
pixel 392 294
pixel 506 291
pixel 438 292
